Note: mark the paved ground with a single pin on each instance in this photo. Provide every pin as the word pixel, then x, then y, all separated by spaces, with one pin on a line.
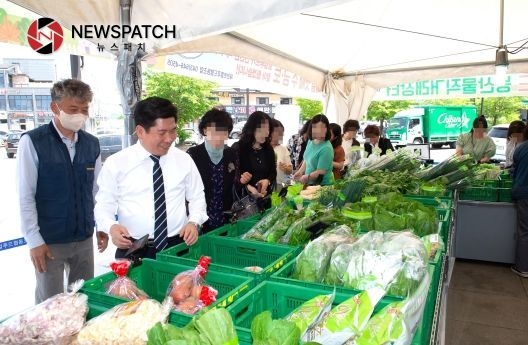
pixel 17 275
pixel 487 305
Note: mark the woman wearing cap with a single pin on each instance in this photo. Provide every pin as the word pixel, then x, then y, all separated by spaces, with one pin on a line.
pixel 476 143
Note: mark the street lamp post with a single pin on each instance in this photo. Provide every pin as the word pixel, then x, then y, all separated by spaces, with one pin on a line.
pixel 247 101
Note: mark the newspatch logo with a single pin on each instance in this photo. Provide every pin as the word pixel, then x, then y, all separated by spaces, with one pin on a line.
pixel 45 35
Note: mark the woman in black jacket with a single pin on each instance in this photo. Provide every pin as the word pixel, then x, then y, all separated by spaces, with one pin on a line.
pixel 216 163
pixel 373 140
pixel 256 158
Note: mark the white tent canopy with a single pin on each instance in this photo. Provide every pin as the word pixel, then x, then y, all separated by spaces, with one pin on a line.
pixel 348 48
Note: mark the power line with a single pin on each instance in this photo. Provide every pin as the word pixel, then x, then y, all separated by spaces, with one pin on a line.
pixel 425 59
pixel 398 29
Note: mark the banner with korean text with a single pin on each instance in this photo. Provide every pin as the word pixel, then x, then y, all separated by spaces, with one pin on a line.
pixel 468 87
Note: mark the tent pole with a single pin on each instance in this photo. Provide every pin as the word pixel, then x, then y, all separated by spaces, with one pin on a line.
pixel 501 28
pixel 125 9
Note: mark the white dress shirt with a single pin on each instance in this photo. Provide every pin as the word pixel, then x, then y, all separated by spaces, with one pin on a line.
pixel 126 190
pixel 282 156
pixel 27 175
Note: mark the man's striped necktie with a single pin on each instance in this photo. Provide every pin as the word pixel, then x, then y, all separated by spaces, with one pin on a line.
pixel 160 209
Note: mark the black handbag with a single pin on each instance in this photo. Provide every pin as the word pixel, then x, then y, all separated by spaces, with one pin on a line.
pixel 246 206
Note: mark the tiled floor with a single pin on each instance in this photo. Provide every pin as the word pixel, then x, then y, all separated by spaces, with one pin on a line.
pixel 487 304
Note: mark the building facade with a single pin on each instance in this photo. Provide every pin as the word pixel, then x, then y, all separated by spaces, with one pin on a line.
pixel 240 103
pixel 25 94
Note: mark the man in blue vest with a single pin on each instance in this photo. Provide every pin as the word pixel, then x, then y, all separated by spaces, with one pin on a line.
pixel 58 164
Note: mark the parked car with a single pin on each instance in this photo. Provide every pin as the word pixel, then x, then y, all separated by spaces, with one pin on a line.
pixel 110 144
pixel 3 137
pixel 193 138
pixel 11 143
pixel 237 130
pixel 498 133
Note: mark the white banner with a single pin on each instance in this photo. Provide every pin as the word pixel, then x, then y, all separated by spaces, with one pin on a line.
pixel 228 70
pixel 470 87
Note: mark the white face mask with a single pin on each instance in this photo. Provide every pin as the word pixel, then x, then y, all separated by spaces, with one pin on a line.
pixel 72 122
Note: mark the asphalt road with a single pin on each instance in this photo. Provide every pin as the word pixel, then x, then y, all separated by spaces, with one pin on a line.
pixel 17 275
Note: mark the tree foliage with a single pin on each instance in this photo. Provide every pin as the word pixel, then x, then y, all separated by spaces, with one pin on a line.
pixel 191 96
pixel 502 109
pixel 309 108
pixel 384 110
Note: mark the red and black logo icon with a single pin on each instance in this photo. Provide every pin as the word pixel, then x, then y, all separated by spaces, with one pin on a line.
pixel 45 35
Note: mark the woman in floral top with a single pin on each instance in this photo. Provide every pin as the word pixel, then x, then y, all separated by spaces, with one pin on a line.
pixel 297 144
pixel 476 143
pixel 216 163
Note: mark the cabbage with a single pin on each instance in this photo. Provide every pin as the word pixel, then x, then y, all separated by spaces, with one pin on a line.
pixel 266 331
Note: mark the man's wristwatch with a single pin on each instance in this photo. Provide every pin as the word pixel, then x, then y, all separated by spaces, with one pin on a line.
pixel 198 226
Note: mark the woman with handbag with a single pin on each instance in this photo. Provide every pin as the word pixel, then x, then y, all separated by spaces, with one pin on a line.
pixel 256 158
pixel 216 163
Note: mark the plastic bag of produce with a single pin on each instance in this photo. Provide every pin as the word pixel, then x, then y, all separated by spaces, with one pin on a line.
pixel 367 266
pixel 339 263
pixel 311 265
pixel 125 324
pixel 310 313
pixel 386 327
pixel 393 260
pixel 54 321
pixel 414 261
pixel 347 319
pixel 124 286
pixel 433 243
pixel 277 230
pixel 258 230
pixel 188 290
pixel 397 322
pixel 296 234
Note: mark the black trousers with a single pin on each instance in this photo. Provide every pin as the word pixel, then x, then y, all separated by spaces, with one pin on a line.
pixel 148 251
pixel 521 252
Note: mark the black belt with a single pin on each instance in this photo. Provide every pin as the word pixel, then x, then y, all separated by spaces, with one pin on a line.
pixel 170 240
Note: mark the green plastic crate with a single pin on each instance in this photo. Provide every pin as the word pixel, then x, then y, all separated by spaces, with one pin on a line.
pixel 505 195
pixel 154 278
pixel 480 194
pixel 432 193
pixel 505 190
pixel 483 190
pixel 95 310
pixel 422 335
pixel 438 202
pixel 233 255
pixel 281 299
pixel 234 230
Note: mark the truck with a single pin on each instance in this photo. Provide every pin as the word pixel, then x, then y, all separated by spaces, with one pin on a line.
pixel 436 125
